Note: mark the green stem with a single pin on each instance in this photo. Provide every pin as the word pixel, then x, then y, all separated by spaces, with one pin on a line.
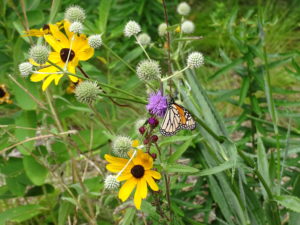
pixel 220 139
pixel 124 98
pixel 142 47
pixel 118 57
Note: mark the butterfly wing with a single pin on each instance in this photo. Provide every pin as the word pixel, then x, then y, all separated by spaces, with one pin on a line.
pixel 171 122
pixel 190 123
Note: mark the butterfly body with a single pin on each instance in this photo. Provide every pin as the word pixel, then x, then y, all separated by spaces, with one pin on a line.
pixel 175 119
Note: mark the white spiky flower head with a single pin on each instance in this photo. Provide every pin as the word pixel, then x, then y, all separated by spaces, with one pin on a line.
pixel 76 27
pixel 148 70
pixel 95 41
pixel 144 39
pixel 111 183
pixel 87 92
pixel 39 53
pixel 75 14
pixel 121 145
pixel 187 27
pixel 183 9
pixel 25 69
pixel 132 28
pixel 162 29
pixel 195 60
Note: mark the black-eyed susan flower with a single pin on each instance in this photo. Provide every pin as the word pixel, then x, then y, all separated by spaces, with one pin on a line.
pixel 72 86
pixel 68 49
pixel 137 172
pixel 4 95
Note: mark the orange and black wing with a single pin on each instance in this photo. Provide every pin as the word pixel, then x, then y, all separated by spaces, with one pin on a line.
pixel 171 122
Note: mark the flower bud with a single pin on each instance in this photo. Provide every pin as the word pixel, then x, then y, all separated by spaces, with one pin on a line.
pixel 144 39
pixel 132 28
pixel 87 92
pixel 148 70
pixel 153 122
pixel 39 53
pixel 183 9
pixel 187 27
pixel 153 155
pixel 95 41
pixel 111 182
pixel 76 27
pixel 146 141
pixel 25 68
pixel 121 145
pixel 142 130
pixel 154 138
pixel 162 29
pixel 75 13
pixel 195 60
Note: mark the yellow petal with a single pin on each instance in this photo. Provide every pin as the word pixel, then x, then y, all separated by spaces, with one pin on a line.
pixel 54 57
pixel 156 175
pixel 67 29
pixel 137 197
pixel 124 176
pixel 151 183
pixel 114 168
pixel 48 80
pixel 127 188
pixel 57 78
pixel 38 77
pixel 142 187
pixel 54 43
pixel 85 54
pixel 115 160
pixel 135 143
pixel 59 36
pixel 73 78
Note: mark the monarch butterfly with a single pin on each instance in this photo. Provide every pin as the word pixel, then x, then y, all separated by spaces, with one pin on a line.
pixel 175 119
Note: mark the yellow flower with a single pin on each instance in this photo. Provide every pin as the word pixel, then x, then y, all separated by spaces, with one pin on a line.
pixel 137 174
pixel 4 95
pixel 68 49
pixel 46 29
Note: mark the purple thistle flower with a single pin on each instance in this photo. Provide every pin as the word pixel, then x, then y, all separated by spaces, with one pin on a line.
pixel 157 104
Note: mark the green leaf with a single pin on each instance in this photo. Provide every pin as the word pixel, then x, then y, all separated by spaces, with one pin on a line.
pixel 179 151
pixel 217 169
pixel 35 17
pixel 289 201
pixel 226 68
pixel 64 210
pixel 54 9
pixel 25 119
pixel 128 217
pixel 179 168
pixel 104 10
pixel 34 170
pixel 244 90
pixel 20 213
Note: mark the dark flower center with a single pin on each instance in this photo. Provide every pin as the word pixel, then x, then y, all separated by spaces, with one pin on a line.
pixel 138 171
pixel 46 27
pixel 2 92
pixel 64 54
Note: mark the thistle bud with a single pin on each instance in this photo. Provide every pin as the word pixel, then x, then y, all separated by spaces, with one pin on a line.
pixel 121 145
pixel 195 60
pixel 75 13
pixel 148 70
pixel 95 41
pixel 132 28
pixel 87 92
pixel 39 53
pixel 111 182
pixel 25 69
pixel 183 9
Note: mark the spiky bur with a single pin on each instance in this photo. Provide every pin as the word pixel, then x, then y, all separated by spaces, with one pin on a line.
pixel 144 39
pixel 25 69
pixel 148 70
pixel 195 60
pixel 162 29
pixel 187 27
pixel 76 27
pixel 75 14
pixel 87 92
pixel 183 9
pixel 121 145
pixel 95 41
pixel 39 53
pixel 111 182
pixel 132 28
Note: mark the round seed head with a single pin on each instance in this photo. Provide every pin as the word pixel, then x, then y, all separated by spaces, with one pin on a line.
pixel 132 28
pixel 148 70
pixel 111 183
pixel 144 39
pixel 162 29
pixel 195 60
pixel 76 27
pixel 121 145
pixel 183 9
pixel 95 41
pixel 39 53
pixel 87 92
pixel 75 13
pixel 25 68
pixel 187 27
